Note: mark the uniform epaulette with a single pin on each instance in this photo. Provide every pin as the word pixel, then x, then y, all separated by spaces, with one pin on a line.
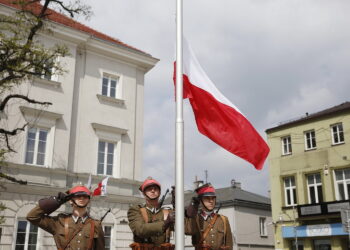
pixel 141 205
pixel 64 214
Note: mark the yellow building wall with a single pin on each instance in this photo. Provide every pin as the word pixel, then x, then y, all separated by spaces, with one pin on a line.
pixel 324 159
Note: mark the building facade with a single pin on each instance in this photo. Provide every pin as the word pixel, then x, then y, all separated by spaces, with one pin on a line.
pixel 310 179
pixel 93 127
pixel 249 215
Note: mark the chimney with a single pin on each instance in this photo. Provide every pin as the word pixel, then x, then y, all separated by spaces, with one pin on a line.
pixel 197 183
pixel 235 184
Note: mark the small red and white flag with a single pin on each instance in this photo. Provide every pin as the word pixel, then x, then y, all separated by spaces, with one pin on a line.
pixel 216 117
pixel 102 188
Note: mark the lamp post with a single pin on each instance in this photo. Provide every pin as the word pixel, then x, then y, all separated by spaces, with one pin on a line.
pixel 294 227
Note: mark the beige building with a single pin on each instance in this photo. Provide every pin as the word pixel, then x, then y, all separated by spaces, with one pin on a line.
pixel 310 179
pixel 95 126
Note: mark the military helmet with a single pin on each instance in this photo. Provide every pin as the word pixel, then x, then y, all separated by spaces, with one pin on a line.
pixel 79 191
pixel 149 182
pixel 205 190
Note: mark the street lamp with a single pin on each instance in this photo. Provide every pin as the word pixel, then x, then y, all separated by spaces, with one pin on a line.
pixel 294 226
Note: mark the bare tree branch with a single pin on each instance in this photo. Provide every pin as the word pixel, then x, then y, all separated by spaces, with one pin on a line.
pixel 7 98
pixel 12 179
pixel 8 145
pixel 8 133
pixel 14 131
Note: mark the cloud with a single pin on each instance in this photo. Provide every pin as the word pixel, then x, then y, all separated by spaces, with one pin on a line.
pixel 275 60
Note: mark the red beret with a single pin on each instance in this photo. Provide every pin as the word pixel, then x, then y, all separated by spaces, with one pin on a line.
pixel 206 190
pixel 149 182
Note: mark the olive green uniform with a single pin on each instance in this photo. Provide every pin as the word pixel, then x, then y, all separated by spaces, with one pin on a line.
pixel 147 232
pixel 55 225
pixel 216 237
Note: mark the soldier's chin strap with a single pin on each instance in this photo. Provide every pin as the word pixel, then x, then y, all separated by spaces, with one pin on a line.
pixel 152 199
pixel 80 205
pixel 206 207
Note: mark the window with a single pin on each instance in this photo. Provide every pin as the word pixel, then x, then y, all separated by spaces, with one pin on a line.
pixel 48 74
pixel 108 236
pixel 337 133
pixel 36 146
pixel 310 140
pixel 27 236
pixel 105 158
pixel 314 185
pixel 286 145
pixel 46 70
pixel 290 191
pixel 262 225
pixel 300 244
pixel 342 182
pixel 110 85
pixel 109 147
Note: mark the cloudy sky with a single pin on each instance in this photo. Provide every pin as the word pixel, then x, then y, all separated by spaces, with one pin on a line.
pixel 275 60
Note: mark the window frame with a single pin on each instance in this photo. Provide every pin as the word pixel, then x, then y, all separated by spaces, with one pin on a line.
pixel 286 145
pixel 113 135
pixel 118 88
pixel 311 140
pixel 263 227
pixel 315 186
pixel 105 156
pixel 44 120
pixel 27 234
pixel 345 182
pixel 36 146
pixel 110 236
pixel 339 133
pixel 291 190
pixel 52 76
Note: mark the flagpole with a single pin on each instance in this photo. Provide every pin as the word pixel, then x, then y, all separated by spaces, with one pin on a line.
pixel 179 142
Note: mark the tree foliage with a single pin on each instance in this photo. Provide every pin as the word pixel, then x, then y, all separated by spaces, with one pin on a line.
pixel 23 56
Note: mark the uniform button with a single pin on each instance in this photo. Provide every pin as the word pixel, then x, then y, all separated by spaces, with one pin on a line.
pixel 79 234
pixel 78 241
pixel 212 241
pixel 211 229
pixel 212 235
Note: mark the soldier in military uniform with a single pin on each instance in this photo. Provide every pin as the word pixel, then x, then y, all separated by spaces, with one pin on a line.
pixel 75 231
pixel 209 230
pixel 149 222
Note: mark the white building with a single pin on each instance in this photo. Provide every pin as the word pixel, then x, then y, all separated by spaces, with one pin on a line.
pixel 95 126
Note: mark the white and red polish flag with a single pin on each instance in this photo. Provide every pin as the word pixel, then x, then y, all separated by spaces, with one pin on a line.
pixel 101 188
pixel 216 117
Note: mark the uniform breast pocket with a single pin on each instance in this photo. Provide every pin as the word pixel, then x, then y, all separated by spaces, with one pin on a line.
pixel 220 233
pixel 221 236
pixel 87 234
pixel 60 237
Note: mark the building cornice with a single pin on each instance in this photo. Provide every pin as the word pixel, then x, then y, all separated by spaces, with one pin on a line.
pixel 16 169
pixel 249 204
pixel 112 47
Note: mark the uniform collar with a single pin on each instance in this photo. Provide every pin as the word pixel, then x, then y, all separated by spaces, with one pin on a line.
pixel 153 210
pixel 83 219
pixel 206 214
